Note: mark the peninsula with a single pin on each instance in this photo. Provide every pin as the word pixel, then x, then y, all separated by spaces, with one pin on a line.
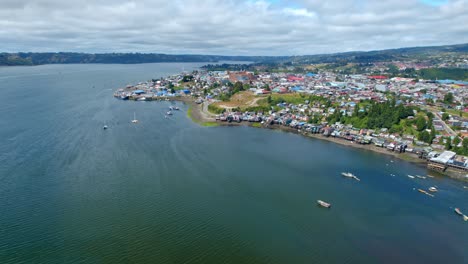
pixel 420 120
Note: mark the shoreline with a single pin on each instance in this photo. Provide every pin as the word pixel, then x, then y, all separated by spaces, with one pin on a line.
pixel 199 114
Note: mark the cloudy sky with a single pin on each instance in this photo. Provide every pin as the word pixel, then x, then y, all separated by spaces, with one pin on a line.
pixel 229 27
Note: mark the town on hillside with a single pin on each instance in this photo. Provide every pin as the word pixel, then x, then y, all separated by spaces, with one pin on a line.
pixel 424 117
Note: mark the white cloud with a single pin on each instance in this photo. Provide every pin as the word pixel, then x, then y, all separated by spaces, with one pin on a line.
pixel 227 26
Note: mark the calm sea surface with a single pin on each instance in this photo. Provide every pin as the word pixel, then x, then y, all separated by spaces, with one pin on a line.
pixel 170 191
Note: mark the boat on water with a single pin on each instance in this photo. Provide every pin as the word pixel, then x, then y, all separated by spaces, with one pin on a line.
pixel 171 108
pixel 141 99
pixel 426 193
pixel 458 211
pixel 176 108
pixel 411 176
pixel 432 189
pixel 420 177
pixel 104 127
pixel 465 218
pixel 134 118
pixel 169 113
pixel 350 175
pixel 323 204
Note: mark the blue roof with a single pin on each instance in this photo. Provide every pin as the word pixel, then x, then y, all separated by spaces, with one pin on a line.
pixel 310 74
pixel 138 92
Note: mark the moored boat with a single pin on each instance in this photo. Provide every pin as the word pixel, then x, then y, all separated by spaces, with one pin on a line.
pixel 426 193
pixel 458 211
pixel 169 113
pixel 411 176
pixel 323 204
pixel 421 177
pixel 432 189
pixel 104 127
pixel 465 218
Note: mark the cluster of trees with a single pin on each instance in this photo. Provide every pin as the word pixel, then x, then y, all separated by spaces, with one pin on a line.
pixel 373 115
pixel 388 115
pixel 429 73
pixel 454 145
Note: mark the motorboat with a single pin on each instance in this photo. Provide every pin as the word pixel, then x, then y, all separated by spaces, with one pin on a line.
pixel 465 218
pixel 420 177
pixel 169 113
pixel 348 174
pixel 411 176
pixel 104 127
pixel 323 204
pixel 458 211
pixel 432 189
pixel 134 118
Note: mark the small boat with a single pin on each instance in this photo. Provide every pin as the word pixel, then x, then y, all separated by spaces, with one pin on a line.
pixel 465 218
pixel 411 176
pixel 423 191
pixel 169 113
pixel 458 211
pixel 432 189
pixel 104 127
pixel 350 175
pixel 141 99
pixel 420 177
pixel 323 204
pixel 134 118
pixel 176 108
pixel 171 108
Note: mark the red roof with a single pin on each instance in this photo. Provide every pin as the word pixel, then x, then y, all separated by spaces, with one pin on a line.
pixel 377 77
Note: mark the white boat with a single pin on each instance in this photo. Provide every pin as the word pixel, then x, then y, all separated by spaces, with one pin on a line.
pixel 134 118
pixel 458 211
pixel 171 108
pixel 432 189
pixel 141 99
pixel 104 127
pixel 323 204
pixel 176 108
pixel 411 176
pixel 348 174
pixel 420 177
pixel 465 218
pixel 169 113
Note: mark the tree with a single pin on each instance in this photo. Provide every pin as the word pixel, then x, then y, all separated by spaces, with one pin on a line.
pixel 445 116
pixel 173 90
pixel 420 123
pixel 448 98
pixel 456 141
pixel 448 143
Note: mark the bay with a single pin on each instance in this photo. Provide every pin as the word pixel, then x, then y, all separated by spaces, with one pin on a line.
pixel 171 191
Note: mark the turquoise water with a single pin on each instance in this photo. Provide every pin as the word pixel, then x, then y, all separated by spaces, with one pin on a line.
pixel 170 191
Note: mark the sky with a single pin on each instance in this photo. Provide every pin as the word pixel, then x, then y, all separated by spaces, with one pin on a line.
pixel 229 27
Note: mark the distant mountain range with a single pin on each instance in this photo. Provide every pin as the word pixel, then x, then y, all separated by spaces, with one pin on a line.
pixel 33 58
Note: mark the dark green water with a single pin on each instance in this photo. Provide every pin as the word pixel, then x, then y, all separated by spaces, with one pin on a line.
pixel 170 191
